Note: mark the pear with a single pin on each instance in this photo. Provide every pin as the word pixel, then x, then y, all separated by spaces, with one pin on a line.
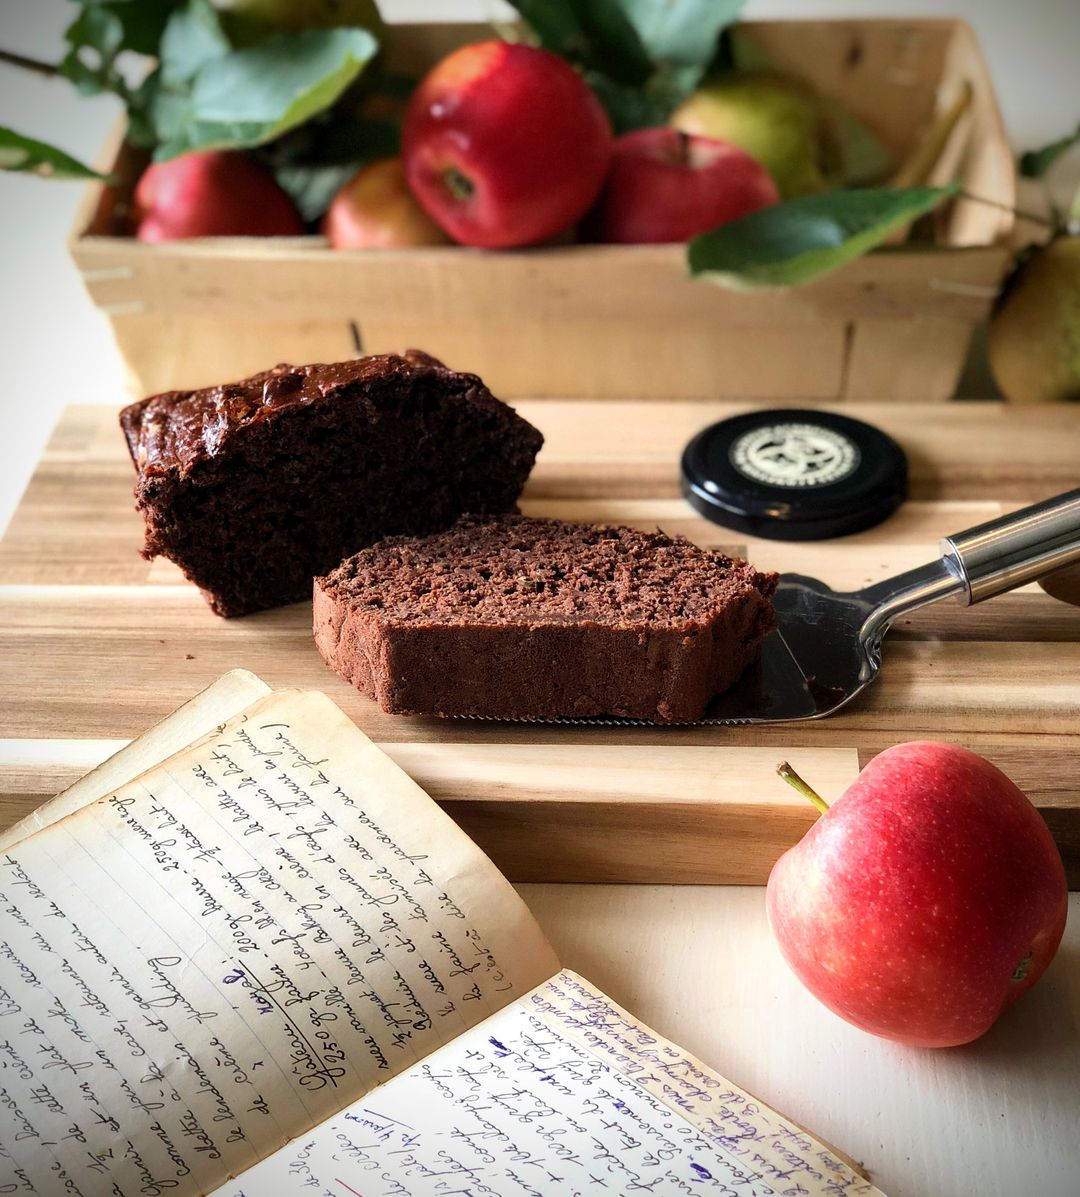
pixel 249 21
pixel 774 120
pixel 1034 338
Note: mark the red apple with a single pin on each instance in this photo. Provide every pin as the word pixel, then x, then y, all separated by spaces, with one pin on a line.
pixel 376 210
pixel 214 193
pixel 665 185
pixel 505 144
pixel 925 900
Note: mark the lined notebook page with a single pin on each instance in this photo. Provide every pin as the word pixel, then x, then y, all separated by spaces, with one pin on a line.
pixel 562 1094
pixel 213 959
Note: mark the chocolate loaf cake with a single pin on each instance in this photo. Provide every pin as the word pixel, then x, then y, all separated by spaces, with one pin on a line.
pixel 519 618
pixel 254 488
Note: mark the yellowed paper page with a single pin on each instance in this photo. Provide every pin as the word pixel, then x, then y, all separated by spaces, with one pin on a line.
pixel 226 697
pixel 778 1153
pixel 231 948
pixel 562 1094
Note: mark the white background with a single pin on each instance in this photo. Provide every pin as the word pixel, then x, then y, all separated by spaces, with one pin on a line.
pixel 56 348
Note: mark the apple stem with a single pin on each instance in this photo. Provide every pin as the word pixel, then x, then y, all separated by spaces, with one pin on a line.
pixel 459 185
pixel 797 783
pixel 684 148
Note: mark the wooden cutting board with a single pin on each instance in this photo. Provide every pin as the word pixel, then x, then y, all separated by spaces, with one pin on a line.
pixel 96 644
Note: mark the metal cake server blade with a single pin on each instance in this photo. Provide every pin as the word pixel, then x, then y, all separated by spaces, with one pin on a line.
pixel 827 645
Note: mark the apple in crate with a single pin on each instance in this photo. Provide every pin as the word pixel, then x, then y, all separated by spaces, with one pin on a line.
pixel 505 145
pixel 665 185
pixel 214 193
pixel 376 210
pixel 925 900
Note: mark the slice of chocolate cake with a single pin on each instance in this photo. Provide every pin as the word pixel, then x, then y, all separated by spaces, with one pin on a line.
pixel 255 487
pixel 519 618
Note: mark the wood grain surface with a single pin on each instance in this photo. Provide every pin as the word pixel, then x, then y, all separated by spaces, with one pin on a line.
pixel 97 643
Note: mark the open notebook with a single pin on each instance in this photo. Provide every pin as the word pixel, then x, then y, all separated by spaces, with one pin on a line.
pixel 249 956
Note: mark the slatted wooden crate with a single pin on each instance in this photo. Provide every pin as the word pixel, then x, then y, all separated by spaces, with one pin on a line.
pixel 612 321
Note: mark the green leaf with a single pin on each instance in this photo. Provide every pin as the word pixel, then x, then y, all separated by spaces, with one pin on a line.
pixel 250 21
pixel 1035 163
pixel 641 106
pixel 160 109
pixel 192 37
pixel 596 35
pixel 103 31
pixel 249 97
pixel 159 112
pixel 682 32
pixel 864 158
pixel 800 240
pixel 142 21
pixel 95 38
pixel 313 162
pixel 311 187
pixel 142 129
pixel 641 57
pixel 35 157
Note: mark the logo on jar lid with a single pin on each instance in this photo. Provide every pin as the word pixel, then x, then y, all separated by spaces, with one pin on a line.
pixel 802 455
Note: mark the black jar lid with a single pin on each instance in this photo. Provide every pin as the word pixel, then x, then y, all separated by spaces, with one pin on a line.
pixel 794 474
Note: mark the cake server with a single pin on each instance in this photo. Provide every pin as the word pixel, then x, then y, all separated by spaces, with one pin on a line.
pixel 827 647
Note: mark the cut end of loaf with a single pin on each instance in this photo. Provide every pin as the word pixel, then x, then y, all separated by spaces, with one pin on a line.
pixel 518 618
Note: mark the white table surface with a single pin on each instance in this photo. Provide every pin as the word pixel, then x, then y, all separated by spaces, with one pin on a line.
pixel 1000 1117
pixel 997 1118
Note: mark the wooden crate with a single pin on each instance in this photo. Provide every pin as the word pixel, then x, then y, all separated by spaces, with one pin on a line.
pixel 599 321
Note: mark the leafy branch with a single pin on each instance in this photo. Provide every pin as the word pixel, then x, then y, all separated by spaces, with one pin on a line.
pixel 200 91
pixel 30 64
pixel 641 57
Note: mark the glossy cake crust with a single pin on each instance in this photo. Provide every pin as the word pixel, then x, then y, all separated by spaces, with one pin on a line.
pixel 254 487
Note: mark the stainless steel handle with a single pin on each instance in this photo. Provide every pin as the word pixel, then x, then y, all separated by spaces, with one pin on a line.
pixel 1008 552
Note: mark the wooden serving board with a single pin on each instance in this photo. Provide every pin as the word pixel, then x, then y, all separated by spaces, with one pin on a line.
pixel 96 644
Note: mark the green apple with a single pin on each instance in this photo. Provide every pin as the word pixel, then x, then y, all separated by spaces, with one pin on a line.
pixel 249 21
pixel 773 120
pixel 1034 339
